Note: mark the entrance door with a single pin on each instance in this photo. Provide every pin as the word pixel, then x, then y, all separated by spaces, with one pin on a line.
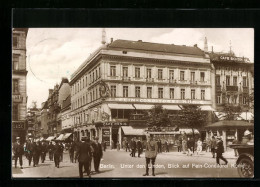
pixel 114 136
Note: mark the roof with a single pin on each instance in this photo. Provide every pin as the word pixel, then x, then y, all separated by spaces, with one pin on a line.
pixel 66 102
pixel 156 47
pixel 228 124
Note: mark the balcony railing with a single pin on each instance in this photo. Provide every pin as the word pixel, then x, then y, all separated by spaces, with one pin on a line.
pixel 232 88
pixel 126 78
pixel 218 88
pixel 173 81
pixel 245 89
pixel 149 79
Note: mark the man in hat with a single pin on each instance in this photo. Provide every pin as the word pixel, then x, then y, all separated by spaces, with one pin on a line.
pixel 43 151
pixel 18 152
pixel 50 149
pixel 57 153
pixel 220 151
pixel 84 154
pixel 151 152
pixel 97 154
pixel 139 147
pixel 35 152
pixel 29 149
pixel 247 138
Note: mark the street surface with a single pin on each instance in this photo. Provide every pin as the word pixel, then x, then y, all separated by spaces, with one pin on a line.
pixel 119 164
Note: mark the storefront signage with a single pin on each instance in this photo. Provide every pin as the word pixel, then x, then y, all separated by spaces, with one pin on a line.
pixel 106 136
pixel 17 98
pixel 138 100
pixel 115 124
pixel 230 58
pixel 18 125
pixel 106 132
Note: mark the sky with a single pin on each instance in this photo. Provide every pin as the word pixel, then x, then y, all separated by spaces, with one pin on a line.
pixel 53 53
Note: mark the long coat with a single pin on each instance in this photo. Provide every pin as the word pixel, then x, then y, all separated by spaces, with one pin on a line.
pixel 220 147
pixel 139 145
pixel 18 149
pixel 97 150
pixel 84 152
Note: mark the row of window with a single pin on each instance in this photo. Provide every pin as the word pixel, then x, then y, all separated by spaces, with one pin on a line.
pixel 160 92
pixel 83 82
pixel 15 87
pixel 232 99
pixel 159 73
pixel 244 82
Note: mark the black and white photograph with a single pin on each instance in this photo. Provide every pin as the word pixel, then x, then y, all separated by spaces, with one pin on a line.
pixel 132 102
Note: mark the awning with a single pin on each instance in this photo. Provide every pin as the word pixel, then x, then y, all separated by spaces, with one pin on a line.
pixel 67 135
pixel 128 130
pixel 50 138
pixel 60 137
pixel 171 107
pixel 188 131
pixel 120 106
pixel 143 107
pixel 246 116
pixel 229 124
pixel 207 108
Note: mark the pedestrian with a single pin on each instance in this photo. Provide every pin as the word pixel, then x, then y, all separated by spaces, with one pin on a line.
pixel 179 144
pixel 199 146
pixel 130 146
pixel 36 153
pixel 213 146
pixel 18 150
pixel 235 141
pixel 43 151
pixel 190 144
pixel 71 151
pixel 184 146
pixel 57 153
pixel 51 149
pixel 208 143
pixel 220 151
pixel 126 145
pixel 151 151
pixel 77 144
pixel 166 145
pixel 84 154
pixel 29 147
pixel 139 147
pixel 159 146
pixel 118 146
pixel 97 154
pixel 133 148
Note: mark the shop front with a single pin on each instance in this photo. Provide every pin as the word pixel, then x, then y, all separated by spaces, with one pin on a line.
pixel 19 130
pixel 229 130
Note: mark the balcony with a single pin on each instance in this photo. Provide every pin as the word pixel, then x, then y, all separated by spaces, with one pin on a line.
pixel 126 79
pixel 172 81
pixel 218 88
pixel 182 81
pixel 232 88
pixel 245 90
pixel 149 79
pixel 193 82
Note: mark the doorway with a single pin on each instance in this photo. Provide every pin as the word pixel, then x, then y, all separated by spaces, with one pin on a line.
pixel 114 137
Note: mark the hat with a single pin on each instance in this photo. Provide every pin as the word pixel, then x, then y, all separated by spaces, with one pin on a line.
pixel 247 132
pixel 17 138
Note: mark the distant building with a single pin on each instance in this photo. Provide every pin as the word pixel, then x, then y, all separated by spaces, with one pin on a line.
pixel 34 122
pixel 19 73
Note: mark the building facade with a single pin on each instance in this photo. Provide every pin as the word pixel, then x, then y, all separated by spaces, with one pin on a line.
pixel 121 79
pixel 19 73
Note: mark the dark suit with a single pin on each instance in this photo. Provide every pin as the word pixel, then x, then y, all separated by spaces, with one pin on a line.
pixel 139 147
pixel 57 154
pixel 97 155
pixel 133 147
pixel 29 149
pixel 43 151
pixel 18 153
pixel 51 149
pixel 36 150
pixel 84 155
pixel 219 151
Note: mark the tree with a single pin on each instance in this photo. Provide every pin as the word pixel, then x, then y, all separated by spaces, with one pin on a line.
pixel 192 117
pixel 157 117
pixel 231 112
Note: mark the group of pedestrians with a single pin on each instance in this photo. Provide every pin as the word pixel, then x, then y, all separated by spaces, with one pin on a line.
pixel 134 145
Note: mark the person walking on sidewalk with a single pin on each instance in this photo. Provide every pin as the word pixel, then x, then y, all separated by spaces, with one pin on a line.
pixel 199 146
pixel 18 150
pixel 29 147
pixel 57 154
pixel 151 152
pixel 139 147
pixel 43 151
pixel 213 146
pixel 51 149
pixel 126 145
pixel 220 151
pixel 190 144
pixel 166 145
pixel 97 154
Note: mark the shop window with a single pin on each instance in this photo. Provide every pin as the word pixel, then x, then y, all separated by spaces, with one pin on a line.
pixel 149 92
pixel 149 73
pixel 137 91
pixel 113 91
pixel 15 112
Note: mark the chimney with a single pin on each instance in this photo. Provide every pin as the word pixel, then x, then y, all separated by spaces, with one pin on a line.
pixel 103 36
pixel 64 79
pixel 111 40
pixel 205 45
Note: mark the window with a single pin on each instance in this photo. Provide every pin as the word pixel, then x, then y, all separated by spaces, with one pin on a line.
pixel 113 91
pixel 90 78
pixel 15 113
pixel 202 76
pixel 90 96
pixel 228 80
pixel 171 93
pixel 160 72
pixel 228 99
pixel 137 91
pixel 160 92
pixel 94 95
pixel 202 94
pixel 86 81
pixel 192 76
pixel 234 81
pixel 112 71
pixel 218 99
pixel 218 80
pixel 244 82
pixel 149 73
pixel 137 72
pixel 182 76
pixel 125 71
pixel 15 86
pixel 15 41
pixel 96 75
pixel 244 100
pixel 192 94
pixel 182 93
pixel 171 74
pixel 149 92
pixel 15 62
pixel 93 78
pixel 99 71
pixel 125 91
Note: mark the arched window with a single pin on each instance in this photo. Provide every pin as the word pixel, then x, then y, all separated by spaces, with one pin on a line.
pixel 82 133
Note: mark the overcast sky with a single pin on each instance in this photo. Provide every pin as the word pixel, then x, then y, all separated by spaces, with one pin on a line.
pixel 53 53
